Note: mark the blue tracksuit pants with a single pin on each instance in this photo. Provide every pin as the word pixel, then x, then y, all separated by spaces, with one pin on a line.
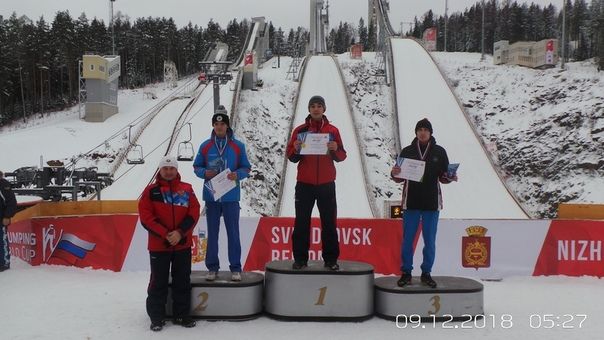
pixel 230 212
pixel 411 219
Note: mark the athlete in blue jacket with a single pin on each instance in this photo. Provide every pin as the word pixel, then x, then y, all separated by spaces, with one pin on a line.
pixel 216 154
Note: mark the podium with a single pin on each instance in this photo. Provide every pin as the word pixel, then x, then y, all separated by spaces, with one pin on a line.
pixel 318 293
pixel 455 299
pixel 223 299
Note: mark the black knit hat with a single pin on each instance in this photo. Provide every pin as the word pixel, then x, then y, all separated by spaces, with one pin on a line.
pixel 221 116
pixel 424 123
pixel 317 100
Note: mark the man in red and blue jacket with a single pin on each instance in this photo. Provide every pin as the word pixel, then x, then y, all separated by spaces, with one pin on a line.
pixel 169 210
pixel 316 182
pixel 215 155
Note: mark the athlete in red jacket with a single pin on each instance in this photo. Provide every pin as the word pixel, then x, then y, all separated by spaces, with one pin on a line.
pixel 169 210
pixel 316 181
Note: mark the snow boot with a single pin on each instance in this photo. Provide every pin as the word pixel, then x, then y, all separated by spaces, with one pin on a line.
pixel 332 266
pixel 428 281
pixel 211 276
pixel 157 326
pixel 186 322
pixel 299 265
pixel 404 280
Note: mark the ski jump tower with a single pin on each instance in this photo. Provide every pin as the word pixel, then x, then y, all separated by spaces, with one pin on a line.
pixel 382 29
pixel 319 25
pixel 255 53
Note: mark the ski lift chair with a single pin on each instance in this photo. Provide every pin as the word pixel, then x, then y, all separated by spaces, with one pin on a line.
pixel 186 151
pixel 135 155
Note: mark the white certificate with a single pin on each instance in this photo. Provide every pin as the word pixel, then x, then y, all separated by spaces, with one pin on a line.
pixel 221 184
pixel 411 169
pixel 314 144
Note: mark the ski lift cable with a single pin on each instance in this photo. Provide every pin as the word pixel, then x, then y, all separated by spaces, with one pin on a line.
pixel 184 114
pixel 162 143
pixel 170 138
pixel 134 122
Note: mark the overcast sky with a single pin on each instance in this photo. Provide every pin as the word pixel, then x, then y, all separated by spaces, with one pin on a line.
pixel 284 13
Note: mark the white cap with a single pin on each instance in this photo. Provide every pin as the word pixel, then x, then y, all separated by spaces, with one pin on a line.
pixel 168 161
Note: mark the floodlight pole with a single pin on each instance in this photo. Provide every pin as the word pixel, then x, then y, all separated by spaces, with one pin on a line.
pixel 112 29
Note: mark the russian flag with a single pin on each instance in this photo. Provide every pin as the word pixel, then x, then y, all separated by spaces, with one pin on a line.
pixel 71 248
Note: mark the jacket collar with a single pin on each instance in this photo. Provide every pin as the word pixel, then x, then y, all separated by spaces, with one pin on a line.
pixel 432 141
pixel 312 124
pixel 229 133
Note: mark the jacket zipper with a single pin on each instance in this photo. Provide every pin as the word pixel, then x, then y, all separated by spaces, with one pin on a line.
pixel 172 204
pixel 317 176
pixel 318 158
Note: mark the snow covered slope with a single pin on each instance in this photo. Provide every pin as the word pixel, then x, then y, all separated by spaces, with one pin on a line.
pixel 372 107
pixel 62 135
pixel 423 93
pixel 130 180
pixel 263 121
pixel 322 78
pixel 545 128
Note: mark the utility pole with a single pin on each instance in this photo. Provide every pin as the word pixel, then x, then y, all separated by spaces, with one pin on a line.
pixel 279 52
pixel 563 53
pixel 601 39
pixel 402 27
pixel 482 35
pixel 22 95
pixel 446 19
pixel 112 29
pixel 42 68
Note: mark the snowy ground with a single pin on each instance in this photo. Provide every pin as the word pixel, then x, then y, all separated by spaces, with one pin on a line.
pixel 130 180
pixel 545 127
pixel 374 114
pixel 263 122
pixel 322 78
pixel 56 302
pixel 422 92
pixel 513 107
pixel 63 136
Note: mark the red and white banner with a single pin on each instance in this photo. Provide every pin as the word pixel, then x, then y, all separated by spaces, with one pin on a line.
pixel 249 59
pixel 429 39
pixel 97 241
pixel 356 51
pixel 372 241
pixel 572 248
pixel 549 52
pixel 475 248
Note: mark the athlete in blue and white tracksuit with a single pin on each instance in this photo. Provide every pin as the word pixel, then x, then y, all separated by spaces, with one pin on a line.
pixel 216 154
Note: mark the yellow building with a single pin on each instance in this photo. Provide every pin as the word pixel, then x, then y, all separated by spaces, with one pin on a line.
pixel 534 54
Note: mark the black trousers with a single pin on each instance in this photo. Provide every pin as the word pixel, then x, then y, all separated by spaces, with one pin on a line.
pixel 325 195
pixel 157 292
